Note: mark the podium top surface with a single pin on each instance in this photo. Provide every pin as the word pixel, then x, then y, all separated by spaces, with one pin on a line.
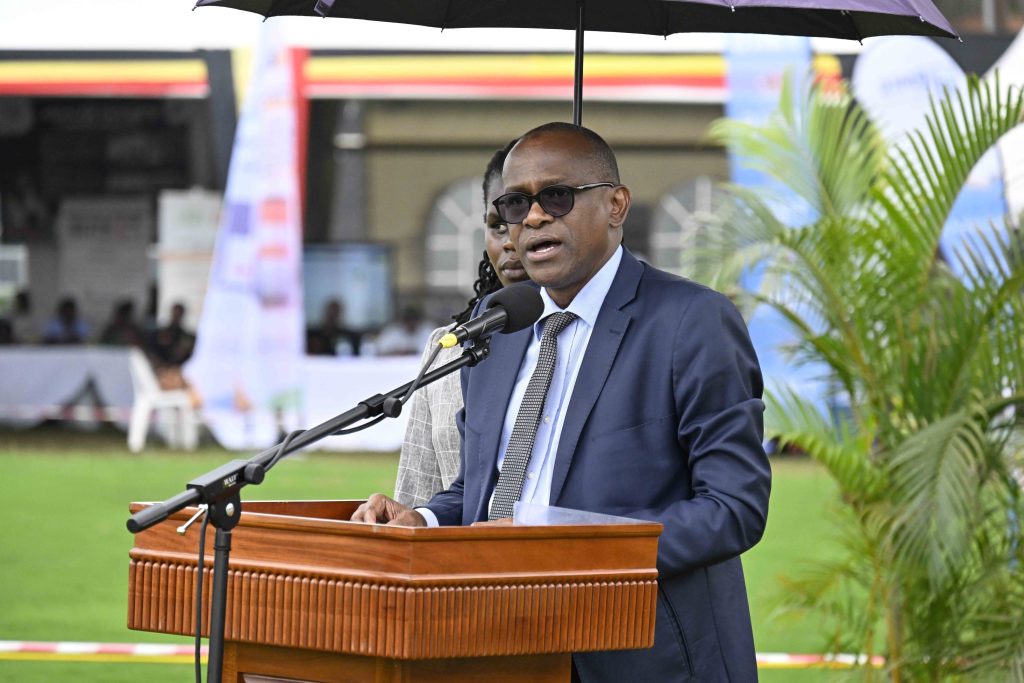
pixel 318 536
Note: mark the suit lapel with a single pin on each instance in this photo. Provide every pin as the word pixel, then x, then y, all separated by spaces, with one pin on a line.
pixel 604 345
pixel 498 376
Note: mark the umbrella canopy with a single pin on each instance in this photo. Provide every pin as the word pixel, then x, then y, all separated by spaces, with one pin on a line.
pixel 851 19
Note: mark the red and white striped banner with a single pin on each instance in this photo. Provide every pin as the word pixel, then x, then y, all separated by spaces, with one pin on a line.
pixel 168 653
pixel 74 648
pixel 155 653
pixel 785 660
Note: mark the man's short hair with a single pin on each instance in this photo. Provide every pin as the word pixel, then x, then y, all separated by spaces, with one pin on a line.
pixel 602 156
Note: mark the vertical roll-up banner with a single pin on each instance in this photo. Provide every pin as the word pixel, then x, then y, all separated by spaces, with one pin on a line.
pixel 249 345
pixel 757 66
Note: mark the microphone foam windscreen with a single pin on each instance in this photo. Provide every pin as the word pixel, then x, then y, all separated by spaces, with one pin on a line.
pixel 523 304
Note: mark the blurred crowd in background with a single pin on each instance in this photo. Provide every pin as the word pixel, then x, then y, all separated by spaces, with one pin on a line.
pixel 170 345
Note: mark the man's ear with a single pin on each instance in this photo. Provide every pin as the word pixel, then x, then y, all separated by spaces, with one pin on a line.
pixel 621 199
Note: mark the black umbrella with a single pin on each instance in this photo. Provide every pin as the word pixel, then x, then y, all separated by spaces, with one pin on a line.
pixel 851 19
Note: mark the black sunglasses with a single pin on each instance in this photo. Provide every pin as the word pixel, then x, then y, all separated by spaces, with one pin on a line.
pixel 556 200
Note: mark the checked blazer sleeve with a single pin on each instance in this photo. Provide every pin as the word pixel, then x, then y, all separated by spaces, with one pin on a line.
pixel 429 461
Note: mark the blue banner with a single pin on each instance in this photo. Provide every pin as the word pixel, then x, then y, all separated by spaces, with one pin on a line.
pixel 757 66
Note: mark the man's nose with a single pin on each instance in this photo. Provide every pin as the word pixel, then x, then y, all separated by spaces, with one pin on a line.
pixel 537 216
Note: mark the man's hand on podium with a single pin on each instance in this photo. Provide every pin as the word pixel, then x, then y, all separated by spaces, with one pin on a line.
pixel 379 509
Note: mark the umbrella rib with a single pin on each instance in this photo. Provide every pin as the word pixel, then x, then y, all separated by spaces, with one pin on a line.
pixel 444 17
pixel 853 25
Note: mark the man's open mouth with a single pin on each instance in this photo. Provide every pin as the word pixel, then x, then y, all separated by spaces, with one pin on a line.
pixel 542 248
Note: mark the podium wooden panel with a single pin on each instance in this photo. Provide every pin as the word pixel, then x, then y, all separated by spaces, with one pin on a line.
pixel 314 597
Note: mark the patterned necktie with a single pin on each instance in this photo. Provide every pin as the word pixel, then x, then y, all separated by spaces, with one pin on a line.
pixel 520 445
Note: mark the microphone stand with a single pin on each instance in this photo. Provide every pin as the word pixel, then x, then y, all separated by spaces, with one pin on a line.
pixel 220 489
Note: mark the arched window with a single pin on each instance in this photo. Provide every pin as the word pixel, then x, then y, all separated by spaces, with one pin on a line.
pixel 455 236
pixel 681 222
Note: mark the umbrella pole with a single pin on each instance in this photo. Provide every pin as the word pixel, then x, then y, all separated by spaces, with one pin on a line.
pixel 577 84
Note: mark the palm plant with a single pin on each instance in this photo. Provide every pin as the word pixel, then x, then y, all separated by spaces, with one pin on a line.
pixel 931 364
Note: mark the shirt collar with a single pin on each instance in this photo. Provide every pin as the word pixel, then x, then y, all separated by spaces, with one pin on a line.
pixel 588 301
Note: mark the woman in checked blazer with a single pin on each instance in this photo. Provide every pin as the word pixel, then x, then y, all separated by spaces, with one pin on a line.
pixel 430 453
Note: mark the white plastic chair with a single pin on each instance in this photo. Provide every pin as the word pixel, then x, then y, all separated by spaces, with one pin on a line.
pixel 182 431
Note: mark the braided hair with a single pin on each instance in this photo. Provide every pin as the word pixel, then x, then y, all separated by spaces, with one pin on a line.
pixel 487 281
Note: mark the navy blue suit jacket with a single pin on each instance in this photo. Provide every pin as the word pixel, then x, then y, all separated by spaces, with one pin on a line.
pixel 664 424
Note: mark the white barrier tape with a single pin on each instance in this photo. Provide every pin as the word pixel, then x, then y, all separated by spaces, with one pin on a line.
pixel 76 648
pixel 765 660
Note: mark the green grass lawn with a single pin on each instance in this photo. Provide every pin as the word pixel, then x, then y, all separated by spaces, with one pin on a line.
pixel 64 568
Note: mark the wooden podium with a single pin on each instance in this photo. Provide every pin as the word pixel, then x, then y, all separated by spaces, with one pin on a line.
pixel 313 597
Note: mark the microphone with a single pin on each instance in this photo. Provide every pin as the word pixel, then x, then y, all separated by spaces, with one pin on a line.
pixel 511 309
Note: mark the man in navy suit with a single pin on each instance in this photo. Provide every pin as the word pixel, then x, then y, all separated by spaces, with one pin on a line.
pixel 654 411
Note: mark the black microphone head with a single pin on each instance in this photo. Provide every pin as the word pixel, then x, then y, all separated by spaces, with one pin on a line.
pixel 521 302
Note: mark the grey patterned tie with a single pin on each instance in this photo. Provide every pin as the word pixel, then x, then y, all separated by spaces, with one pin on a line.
pixel 520 444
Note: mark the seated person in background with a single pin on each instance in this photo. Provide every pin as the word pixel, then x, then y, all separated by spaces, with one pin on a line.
pixel 430 452
pixel 21 319
pixel 332 338
pixel 169 347
pixel 315 344
pixel 122 329
pixel 65 327
pixel 172 344
pixel 405 336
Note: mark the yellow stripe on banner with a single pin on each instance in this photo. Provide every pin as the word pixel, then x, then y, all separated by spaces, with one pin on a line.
pixel 827 65
pixel 96 658
pixel 143 71
pixel 507 66
pixel 241 73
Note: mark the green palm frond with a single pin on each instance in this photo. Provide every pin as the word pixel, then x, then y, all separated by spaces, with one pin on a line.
pixel 989 307
pixel 996 650
pixel 742 233
pixel 835 593
pixel 921 184
pixel 930 355
pixel 793 420
pixel 823 149
pixel 964 337
pixel 935 477
pixel 846 593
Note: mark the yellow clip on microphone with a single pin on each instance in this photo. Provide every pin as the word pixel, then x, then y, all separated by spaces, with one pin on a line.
pixel 511 309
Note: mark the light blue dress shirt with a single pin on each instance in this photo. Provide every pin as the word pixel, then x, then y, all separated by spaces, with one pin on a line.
pixel 572 346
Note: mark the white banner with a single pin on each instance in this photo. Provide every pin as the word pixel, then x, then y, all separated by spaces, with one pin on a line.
pixel 187 228
pixel 895 79
pixel 250 338
pixel 102 254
